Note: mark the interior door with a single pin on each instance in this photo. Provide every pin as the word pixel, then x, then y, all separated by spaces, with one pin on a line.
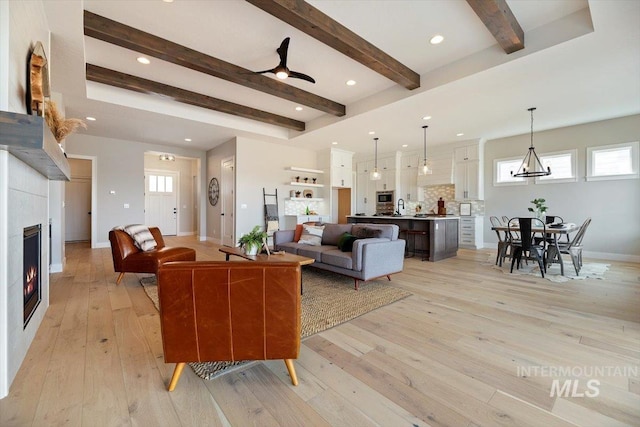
pixel 161 201
pixel 227 186
pixel 344 205
pixel 78 210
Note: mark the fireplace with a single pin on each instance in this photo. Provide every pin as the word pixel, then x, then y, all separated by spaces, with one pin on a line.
pixel 31 270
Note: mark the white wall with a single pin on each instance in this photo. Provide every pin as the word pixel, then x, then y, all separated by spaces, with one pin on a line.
pixel 120 167
pixel 259 165
pixel 22 24
pixel 214 169
pixel 614 206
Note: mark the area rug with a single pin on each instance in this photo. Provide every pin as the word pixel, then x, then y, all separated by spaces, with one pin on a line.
pixel 328 300
pixel 589 270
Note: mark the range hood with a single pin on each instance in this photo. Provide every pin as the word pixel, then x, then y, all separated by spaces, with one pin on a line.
pixel 29 139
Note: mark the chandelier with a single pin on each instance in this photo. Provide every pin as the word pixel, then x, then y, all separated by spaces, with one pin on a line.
pixel 531 165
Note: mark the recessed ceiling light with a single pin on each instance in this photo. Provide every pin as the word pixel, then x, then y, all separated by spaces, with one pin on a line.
pixel 187 139
pixel 91 119
pixel 437 39
pixel 143 60
pixel 460 134
pixel 298 108
pixel 426 118
pixel 372 133
pixel 335 143
pixel 351 82
pixel 405 145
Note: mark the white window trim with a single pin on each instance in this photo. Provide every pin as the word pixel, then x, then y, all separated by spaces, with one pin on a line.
pixel 524 181
pixel 574 168
pixel 634 162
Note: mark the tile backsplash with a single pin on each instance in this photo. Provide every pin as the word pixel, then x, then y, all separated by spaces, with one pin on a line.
pixel 431 195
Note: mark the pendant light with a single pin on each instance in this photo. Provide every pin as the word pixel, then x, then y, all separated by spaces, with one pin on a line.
pixel 531 165
pixel 375 175
pixel 425 169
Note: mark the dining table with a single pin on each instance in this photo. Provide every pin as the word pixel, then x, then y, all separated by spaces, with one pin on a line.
pixel 554 231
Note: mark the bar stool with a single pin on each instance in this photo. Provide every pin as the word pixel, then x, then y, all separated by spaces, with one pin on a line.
pixel 403 232
pixel 420 234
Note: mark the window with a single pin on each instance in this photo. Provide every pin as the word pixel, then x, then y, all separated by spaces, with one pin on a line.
pixel 563 167
pixel 502 169
pixel 617 161
pixel 160 184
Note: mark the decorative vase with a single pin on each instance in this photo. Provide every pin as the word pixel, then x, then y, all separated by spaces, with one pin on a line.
pixel 251 248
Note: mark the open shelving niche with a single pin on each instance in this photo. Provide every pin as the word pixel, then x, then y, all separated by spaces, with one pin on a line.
pixel 305 184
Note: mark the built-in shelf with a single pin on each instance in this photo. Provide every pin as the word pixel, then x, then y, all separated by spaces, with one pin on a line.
pixel 306 184
pixel 29 139
pixel 297 169
pixel 305 199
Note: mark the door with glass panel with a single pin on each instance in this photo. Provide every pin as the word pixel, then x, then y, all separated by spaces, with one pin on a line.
pixel 161 201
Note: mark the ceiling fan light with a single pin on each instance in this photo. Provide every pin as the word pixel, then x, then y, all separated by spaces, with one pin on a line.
pixel 282 75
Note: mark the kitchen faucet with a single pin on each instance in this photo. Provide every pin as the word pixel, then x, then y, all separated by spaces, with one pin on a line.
pixel 400 204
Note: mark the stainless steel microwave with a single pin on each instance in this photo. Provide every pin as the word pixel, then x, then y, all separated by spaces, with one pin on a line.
pixel 384 197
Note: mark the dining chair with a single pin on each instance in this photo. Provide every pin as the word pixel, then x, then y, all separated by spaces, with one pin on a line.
pixel 503 240
pixel 574 247
pixel 513 235
pixel 551 220
pixel 526 245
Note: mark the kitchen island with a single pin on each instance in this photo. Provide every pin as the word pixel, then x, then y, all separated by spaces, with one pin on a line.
pixel 435 236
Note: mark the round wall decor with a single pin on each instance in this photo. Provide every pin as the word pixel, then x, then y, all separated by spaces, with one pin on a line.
pixel 214 191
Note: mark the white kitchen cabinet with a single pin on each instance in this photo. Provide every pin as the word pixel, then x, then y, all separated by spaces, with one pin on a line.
pixel 341 168
pixel 408 186
pixel 365 193
pixel 468 173
pixel 471 232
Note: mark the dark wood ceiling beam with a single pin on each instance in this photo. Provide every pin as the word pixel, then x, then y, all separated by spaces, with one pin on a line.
pixel 499 20
pixel 138 84
pixel 122 35
pixel 313 22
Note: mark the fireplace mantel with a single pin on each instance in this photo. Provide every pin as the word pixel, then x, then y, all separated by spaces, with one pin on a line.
pixel 29 139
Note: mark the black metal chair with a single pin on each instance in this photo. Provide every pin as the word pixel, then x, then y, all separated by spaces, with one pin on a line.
pixel 503 240
pixel 574 247
pixel 526 246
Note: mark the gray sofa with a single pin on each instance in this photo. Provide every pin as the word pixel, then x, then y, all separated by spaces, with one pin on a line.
pixel 369 258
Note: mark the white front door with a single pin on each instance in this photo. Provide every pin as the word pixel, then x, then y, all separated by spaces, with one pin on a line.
pixel 228 203
pixel 78 210
pixel 161 201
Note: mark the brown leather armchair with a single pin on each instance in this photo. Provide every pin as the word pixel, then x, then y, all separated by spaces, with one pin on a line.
pixel 228 311
pixel 127 258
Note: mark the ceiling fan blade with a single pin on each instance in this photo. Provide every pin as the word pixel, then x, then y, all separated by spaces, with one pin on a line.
pixel 273 70
pixel 295 74
pixel 282 51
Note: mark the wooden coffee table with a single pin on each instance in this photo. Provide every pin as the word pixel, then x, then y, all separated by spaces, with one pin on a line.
pixel 281 257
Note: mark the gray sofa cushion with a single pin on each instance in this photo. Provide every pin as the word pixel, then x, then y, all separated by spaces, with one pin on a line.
pixel 332 233
pixel 290 247
pixel 314 252
pixel 338 258
pixel 388 231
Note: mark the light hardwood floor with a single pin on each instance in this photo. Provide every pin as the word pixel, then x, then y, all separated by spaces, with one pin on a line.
pixel 446 356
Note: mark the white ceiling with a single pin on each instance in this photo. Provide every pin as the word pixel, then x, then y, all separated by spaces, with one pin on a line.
pixel 581 63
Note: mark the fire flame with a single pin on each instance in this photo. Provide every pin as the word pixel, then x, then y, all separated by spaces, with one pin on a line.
pixel 30 278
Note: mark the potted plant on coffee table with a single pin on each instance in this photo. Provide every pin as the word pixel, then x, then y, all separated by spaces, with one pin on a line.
pixel 253 241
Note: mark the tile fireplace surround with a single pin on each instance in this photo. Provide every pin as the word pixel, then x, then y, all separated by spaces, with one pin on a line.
pixel 24 202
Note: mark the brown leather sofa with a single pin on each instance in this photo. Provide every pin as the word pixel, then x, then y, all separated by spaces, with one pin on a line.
pixel 127 258
pixel 228 311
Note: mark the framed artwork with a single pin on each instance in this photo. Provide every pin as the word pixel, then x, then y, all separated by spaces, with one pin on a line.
pixel 465 209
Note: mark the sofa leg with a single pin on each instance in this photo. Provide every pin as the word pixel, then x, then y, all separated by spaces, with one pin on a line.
pixel 292 371
pixel 176 376
pixel 355 284
pixel 119 279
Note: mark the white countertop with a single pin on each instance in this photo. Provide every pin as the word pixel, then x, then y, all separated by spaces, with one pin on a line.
pixel 425 218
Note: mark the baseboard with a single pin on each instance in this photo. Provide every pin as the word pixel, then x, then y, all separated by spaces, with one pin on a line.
pixel 56 268
pixel 202 238
pixel 102 245
pixel 186 233
pixel 214 240
pixel 591 254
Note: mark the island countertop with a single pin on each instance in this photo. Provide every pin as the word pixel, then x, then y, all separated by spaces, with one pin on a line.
pixel 411 217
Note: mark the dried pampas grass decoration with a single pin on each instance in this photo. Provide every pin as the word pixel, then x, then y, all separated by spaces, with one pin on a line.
pixel 60 127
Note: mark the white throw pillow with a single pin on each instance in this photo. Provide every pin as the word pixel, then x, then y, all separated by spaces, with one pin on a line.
pixel 311 235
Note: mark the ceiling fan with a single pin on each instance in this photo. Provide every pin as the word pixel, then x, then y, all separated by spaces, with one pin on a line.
pixel 281 71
